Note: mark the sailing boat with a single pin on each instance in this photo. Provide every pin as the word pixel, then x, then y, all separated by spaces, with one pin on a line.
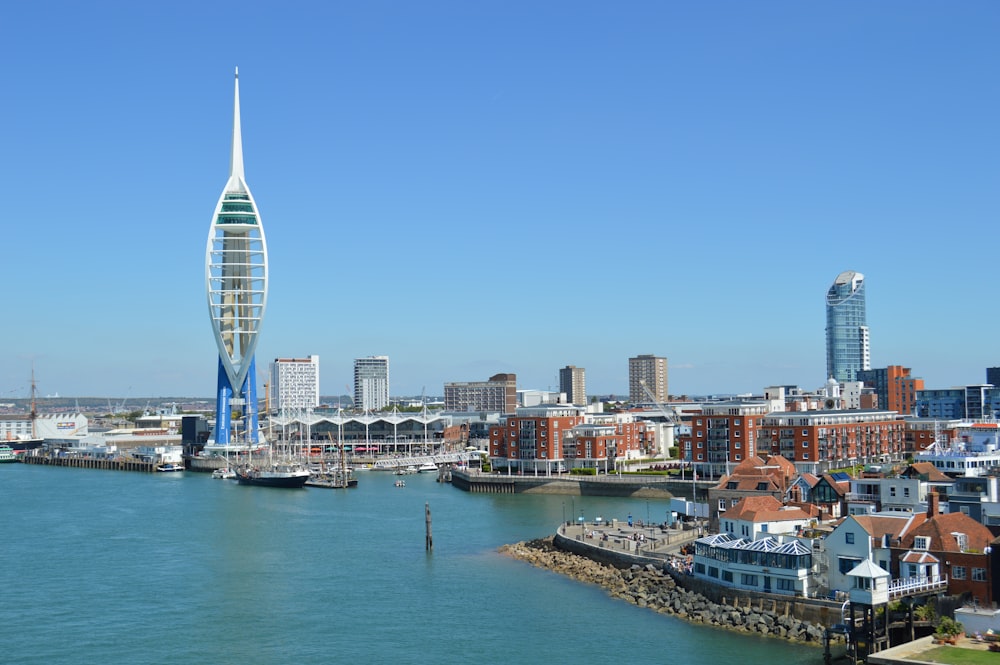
pixel 274 474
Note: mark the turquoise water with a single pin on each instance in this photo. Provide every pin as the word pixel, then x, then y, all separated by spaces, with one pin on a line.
pixel 114 567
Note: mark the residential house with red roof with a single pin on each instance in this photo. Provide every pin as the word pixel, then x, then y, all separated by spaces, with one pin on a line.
pixel 758 550
pixel 961 546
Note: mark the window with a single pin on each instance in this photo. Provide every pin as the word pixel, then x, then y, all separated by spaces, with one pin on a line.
pixel 849 537
pixel 892 491
pixel 921 542
pixel 785 585
pixel 805 432
pixel 733 502
pixel 978 574
pixel 713 571
pixel 805 455
pixel 727 576
pixel 748 580
pixel 906 492
pixel 722 504
pixel 958 572
pixel 847 564
pixel 699 568
pixel 737 444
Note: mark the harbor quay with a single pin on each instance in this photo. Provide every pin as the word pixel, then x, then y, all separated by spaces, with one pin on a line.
pixel 84 462
pixel 611 485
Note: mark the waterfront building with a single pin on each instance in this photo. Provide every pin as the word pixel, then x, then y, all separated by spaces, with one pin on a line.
pixel 975 402
pixel 759 516
pixel 236 280
pixel 294 383
pixel 534 438
pixel 367 432
pixel 551 437
pixel 847 343
pixel 14 428
pixel 978 497
pixel 825 492
pixel 819 440
pixel 499 394
pixel 960 545
pixel 371 383
pixel 906 492
pixel 752 477
pixel 863 538
pixel 573 382
pixel 647 373
pixel 726 433
pixel 895 387
pixel 757 549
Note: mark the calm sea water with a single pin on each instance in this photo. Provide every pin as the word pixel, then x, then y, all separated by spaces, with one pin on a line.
pixel 113 567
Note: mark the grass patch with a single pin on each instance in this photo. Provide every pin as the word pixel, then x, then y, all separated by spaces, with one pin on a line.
pixel 953 655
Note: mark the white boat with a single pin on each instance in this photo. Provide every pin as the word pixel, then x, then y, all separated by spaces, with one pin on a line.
pixel 167 468
pixel 7 454
pixel 400 483
pixel 225 473
pixel 406 472
pixel 428 467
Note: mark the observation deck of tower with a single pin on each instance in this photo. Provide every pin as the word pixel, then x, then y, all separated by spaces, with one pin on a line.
pixel 236 288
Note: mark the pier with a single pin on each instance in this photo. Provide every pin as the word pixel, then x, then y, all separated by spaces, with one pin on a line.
pixel 113 464
pixel 626 485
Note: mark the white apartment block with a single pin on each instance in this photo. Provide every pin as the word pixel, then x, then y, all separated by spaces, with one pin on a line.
pixel 371 383
pixel 294 383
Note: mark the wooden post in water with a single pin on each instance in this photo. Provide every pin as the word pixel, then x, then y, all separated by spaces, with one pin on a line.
pixel 428 539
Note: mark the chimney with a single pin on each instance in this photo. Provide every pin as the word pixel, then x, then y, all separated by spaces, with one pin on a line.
pixel 932 505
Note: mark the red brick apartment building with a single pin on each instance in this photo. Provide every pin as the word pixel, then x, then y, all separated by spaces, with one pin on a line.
pixel 848 436
pixel 535 437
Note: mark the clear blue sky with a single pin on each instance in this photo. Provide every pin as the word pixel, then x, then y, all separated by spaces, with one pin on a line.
pixel 482 187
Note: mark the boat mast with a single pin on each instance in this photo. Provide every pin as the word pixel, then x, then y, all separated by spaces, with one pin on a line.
pixel 34 410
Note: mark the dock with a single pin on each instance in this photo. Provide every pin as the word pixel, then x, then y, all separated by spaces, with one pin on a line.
pixel 626 485
pixel 113 464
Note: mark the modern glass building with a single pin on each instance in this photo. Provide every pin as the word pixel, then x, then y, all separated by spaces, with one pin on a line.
pixel 847 347
pixel 236 288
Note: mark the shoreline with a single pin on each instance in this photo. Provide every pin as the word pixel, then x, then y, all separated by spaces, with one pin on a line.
pixel 652 588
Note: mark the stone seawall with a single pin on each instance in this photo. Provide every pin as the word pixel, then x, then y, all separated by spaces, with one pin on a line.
pixel 650 587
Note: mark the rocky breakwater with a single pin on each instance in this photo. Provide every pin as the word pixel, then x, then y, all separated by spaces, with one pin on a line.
pixel 652 588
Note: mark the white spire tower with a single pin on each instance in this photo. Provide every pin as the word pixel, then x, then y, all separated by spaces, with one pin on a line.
pixel 236 286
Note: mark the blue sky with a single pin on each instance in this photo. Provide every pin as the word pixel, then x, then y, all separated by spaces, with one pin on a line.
pixel 482 187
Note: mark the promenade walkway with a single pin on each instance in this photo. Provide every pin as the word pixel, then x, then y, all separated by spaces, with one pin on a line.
pixel 655 542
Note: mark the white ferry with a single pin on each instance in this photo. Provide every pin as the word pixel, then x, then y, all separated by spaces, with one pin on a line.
pixel 973 452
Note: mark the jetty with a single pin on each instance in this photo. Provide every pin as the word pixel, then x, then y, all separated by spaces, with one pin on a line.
pixel 81 462
pixel 625 485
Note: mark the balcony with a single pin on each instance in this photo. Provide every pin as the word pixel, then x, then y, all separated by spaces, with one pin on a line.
pixel 912 586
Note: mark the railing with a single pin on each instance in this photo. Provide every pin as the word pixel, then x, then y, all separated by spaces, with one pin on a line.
pixel 859 496
pixel 444 458
pixel 915 585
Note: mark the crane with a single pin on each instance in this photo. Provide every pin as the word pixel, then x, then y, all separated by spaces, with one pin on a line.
pixel 671 421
